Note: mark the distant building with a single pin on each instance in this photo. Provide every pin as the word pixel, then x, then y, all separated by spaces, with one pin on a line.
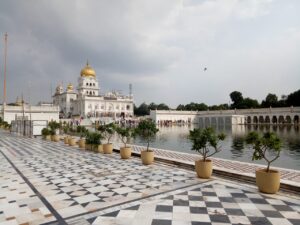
pixel 28 112
pixel 87 101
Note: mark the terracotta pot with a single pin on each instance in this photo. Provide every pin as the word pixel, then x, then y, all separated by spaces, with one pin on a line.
pixel 125 152
pixel 268 182
pixel 81 143
pixel 48 137
pixel 100 148
pixel 55 138
pixel 107 148
pixel 147 157
pixel 72 141
pixel 203 169
pixel 66 140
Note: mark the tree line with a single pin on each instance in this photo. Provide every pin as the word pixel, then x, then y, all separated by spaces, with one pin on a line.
pixel 237 99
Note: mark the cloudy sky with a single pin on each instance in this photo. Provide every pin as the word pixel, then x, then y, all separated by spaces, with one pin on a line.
pixel 160 46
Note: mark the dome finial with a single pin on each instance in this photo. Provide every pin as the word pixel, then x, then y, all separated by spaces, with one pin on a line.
pixel 87 62
pixel 88 71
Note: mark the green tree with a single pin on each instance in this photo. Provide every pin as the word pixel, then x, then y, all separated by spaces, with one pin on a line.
pixel 180 107
pixel 293 99
pixel 147 130
pixel 206 140
pixel 125 133
pixel 163 106
pixel 249 103
pixel 152 106
pixel 263 143
pixel 107 130
pixel 271 100
pixel 142 110
pixel 236 98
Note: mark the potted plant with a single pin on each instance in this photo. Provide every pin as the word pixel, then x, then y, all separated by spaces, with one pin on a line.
pixel 108 131
pixel 82 131
pixel 125 133
pixel 53 125
pixel 92 141
pixel 205 142
pixel 267 180
pixel 46 134
pixel 147 130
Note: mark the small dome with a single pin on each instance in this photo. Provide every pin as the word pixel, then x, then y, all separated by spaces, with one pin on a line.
pixel 59 89
pixel 69 87
pixel 88 71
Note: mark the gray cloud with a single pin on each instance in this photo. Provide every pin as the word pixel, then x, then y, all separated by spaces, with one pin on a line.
pixel 160 47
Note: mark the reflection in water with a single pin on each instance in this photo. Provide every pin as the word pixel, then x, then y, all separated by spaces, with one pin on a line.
pixel 234 147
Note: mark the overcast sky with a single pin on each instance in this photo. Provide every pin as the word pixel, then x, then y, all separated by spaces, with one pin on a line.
pixel 160 46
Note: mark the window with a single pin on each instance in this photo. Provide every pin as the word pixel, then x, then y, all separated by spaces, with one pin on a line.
pixel 93 84
pixel 87 84
pixel 128 107
pixel 96 106
pixel 90 106
pixel 102 106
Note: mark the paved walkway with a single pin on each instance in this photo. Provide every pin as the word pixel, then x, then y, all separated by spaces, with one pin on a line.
pixel 49 183
pixel 288 176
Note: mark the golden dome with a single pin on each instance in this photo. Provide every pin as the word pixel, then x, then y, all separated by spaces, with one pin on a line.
pixel 88 71
pixel 70 87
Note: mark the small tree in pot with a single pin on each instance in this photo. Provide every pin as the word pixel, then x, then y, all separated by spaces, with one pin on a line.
pixel 205 142
pixel 125 133
pixel 107 131
pixel 54 126
pixel 46 134
pixel 93 139
pixel 82 131
pixel 147 130
pixel 267 180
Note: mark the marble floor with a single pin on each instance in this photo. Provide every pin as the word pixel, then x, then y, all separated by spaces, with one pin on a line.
pixel 43 182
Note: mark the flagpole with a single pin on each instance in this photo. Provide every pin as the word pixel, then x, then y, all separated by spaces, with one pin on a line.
pixel 5 60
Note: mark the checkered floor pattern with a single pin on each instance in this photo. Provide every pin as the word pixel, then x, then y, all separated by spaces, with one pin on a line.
pixel 216 203
pixel 80 187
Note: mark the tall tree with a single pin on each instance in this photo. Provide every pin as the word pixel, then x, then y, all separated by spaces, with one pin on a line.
pixel 293 99
pixel 236 98
pixel 163 106
pixel 271 100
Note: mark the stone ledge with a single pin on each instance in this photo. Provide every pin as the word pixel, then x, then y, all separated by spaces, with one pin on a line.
pixel 287 186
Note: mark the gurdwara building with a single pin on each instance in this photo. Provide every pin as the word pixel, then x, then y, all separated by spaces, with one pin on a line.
pixel 86 101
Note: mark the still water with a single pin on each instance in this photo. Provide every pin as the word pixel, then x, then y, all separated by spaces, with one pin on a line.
pixel 233 147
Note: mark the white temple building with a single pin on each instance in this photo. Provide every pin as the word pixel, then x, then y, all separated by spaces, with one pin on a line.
pixel 87 102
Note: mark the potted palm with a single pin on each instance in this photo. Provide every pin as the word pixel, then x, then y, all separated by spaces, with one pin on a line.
pixel 46 134
pixel 125 133
pixel 267 147
pixel 82 131
pixel 108 131
pixel 205 142
pixel 92 141
pixel 54 126
pixel 147 130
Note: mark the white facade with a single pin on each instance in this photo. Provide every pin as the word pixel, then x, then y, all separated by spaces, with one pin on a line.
pixel 88 102
pixel 27 112
pixel 284 115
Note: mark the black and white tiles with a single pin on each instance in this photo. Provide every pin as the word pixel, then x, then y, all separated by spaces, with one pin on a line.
pixel 45 182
